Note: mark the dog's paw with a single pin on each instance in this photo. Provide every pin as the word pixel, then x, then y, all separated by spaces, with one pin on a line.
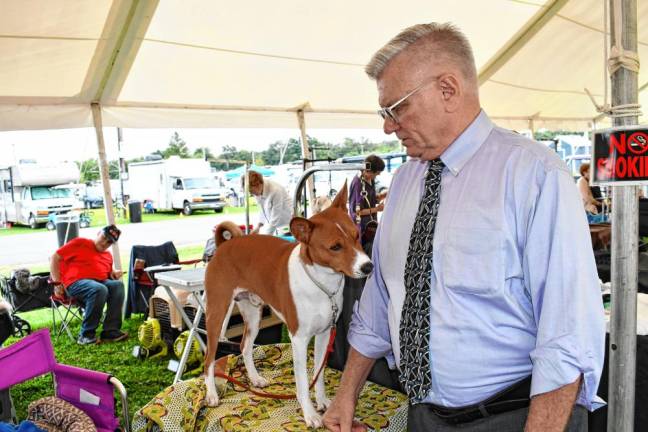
pixel 313 420
pixel 259 381
pixel 323 403
pixel 211 399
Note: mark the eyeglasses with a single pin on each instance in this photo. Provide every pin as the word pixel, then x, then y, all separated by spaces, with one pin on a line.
pixel 390 111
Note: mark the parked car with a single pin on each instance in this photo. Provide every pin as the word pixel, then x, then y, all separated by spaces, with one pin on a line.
pixel 93 197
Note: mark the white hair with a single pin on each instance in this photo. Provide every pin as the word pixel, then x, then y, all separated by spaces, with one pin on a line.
pixel 442 42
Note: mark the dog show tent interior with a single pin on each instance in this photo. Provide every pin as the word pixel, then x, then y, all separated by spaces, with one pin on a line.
pixel 202 63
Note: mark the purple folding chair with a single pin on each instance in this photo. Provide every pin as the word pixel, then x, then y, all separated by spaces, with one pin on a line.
pixel 90 391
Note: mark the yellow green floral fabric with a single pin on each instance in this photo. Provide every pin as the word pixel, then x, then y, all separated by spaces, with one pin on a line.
pixel 181 408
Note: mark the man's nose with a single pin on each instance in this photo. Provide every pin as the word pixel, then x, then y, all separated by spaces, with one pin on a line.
pixel 389 125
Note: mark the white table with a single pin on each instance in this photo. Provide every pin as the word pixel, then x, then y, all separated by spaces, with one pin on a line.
pixel 186 280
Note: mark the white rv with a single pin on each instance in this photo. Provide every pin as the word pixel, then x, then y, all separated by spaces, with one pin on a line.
pixel 30 191
pixel 176 184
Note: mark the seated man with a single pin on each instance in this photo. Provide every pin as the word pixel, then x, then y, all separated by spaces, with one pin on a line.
pixel 84 268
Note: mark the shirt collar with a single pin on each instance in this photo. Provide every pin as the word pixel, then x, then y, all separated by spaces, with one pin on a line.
pixel 467 144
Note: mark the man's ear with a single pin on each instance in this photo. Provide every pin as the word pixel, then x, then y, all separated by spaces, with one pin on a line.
pixel 341 198
pixel 301 229
pixel 451 91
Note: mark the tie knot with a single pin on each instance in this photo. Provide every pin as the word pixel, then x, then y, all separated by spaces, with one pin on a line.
pixel 436 165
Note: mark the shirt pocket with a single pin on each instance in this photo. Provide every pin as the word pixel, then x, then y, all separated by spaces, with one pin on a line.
pixel 473 261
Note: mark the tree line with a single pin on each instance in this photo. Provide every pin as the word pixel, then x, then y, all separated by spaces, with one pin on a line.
pixel 231 157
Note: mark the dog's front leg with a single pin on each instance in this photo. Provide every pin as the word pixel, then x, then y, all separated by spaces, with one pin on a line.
pixel 321 343
pixel 300 356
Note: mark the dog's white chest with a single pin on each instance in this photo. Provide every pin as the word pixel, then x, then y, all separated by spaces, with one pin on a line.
pixel 317 306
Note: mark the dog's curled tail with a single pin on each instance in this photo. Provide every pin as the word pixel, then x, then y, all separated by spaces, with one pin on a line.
pixel 226 231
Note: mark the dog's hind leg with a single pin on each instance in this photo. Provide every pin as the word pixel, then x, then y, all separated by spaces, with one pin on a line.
pixel 300 356
pixel 251 314
pixel 321 343
pixel 214 316
pixel 226 322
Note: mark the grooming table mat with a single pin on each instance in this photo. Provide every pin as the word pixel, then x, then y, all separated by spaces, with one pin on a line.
pixel 180 407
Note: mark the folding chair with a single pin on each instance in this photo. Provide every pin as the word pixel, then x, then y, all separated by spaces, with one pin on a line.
pixel 90 391
pixel 141 284
pixel 72 309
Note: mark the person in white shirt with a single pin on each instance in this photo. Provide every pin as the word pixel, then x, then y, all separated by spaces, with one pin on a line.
pixel 275 205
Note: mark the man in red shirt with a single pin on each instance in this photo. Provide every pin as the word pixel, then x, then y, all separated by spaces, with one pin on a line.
pixel 83 267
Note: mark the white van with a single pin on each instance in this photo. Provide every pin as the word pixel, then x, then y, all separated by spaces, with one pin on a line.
pixel 176 184
pixel 30 191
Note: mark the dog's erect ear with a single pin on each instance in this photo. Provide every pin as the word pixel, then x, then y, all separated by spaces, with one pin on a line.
pixel 341 198
pixel 301 229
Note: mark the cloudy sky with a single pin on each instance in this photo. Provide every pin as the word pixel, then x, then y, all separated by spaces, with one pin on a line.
pixel 81 144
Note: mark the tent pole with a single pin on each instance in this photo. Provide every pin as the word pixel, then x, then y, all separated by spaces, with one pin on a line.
pixel 105 178
pixel 306 154
pixel 623 320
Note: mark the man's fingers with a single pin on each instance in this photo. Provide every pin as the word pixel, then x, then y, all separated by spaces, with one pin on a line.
pixel 358 427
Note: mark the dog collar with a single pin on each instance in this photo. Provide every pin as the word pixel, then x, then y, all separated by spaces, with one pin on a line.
pixel 318 284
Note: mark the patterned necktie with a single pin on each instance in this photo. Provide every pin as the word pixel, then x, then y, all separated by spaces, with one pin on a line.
pixel 415 317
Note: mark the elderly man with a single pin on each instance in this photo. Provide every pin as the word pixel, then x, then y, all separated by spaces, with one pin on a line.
pixel 274 203
pixel 485 292
pixel 84 269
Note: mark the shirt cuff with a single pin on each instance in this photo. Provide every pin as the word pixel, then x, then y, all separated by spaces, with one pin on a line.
pixel 554 368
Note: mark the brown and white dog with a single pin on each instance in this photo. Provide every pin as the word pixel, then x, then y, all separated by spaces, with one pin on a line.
pixel 302 282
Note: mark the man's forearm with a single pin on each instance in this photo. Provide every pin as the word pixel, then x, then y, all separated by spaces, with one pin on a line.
pixel 55 273
pixel 550 411
pixel 356 371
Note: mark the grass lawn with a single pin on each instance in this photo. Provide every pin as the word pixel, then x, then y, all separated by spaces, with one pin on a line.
pixel 98 218
pixel 143 379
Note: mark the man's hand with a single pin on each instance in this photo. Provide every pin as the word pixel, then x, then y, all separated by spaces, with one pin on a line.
pixel 380 207
pixel 339 417
pixel 116 274
pixel 59 289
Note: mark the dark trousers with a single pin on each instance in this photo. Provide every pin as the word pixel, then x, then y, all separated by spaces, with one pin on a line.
pixel 421 419
pixel 94 295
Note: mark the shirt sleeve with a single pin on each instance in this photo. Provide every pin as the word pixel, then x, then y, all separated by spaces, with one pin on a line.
pixel 369 329
pixel 276 209
pixel 561 277
pixel 261 202
pixel 354 197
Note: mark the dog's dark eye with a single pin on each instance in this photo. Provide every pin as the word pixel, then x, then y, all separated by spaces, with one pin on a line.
pixel 336 247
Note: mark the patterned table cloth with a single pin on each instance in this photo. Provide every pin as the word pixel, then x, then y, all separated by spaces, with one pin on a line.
pixel 180 407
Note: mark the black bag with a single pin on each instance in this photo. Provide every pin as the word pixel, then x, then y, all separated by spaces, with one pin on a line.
pixel 369 232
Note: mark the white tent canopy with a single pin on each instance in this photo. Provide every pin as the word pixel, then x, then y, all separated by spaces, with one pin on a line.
pixel 207 63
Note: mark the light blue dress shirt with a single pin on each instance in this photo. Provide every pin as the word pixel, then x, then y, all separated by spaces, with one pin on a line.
pixel 514 285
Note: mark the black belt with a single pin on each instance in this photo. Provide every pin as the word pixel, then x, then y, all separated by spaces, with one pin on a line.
pixel 511 398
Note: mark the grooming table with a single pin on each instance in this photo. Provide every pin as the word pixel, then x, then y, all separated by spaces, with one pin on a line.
pixel 192 281
pixel 180 407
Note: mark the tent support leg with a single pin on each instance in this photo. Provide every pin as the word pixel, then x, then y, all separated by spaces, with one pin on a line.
pixel 623 320
pixel 105 178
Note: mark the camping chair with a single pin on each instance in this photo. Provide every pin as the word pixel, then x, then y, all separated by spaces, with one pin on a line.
pixel 90 391
pixel 142 283
pixel 72 309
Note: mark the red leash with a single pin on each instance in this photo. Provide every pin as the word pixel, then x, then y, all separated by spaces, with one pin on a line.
pixel 329 350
